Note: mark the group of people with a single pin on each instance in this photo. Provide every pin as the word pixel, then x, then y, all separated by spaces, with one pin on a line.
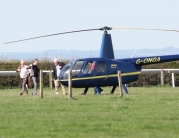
pixel 28 72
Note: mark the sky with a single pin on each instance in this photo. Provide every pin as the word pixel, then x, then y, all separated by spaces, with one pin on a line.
pixel 21 19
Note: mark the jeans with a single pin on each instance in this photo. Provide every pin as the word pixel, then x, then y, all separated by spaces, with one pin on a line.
pixel 35 85
pixel 97 90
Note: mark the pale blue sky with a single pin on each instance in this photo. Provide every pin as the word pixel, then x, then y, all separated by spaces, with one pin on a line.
pixel 28 18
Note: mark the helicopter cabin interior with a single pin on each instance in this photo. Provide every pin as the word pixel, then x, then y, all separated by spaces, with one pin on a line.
pixel 81 68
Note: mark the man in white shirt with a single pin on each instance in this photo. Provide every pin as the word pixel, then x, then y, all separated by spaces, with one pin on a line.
pixel 23 75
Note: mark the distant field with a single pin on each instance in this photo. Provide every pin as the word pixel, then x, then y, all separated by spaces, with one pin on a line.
pixel 145 112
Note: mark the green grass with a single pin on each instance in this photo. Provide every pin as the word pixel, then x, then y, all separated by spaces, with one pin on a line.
pixel 145 112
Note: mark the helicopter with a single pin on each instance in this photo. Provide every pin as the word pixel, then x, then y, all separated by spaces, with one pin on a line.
pixel 102 71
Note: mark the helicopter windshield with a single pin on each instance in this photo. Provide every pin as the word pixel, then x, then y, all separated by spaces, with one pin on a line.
pixel 75 66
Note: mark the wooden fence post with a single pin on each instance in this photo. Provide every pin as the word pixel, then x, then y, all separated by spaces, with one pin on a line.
pixel 70 84
pixel 173 80
pixel 41 84
pixel 162 77
pixel 120 83
pixel 50 79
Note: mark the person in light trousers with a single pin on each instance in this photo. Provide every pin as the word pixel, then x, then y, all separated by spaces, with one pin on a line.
pixel 23 71
pixel 56 73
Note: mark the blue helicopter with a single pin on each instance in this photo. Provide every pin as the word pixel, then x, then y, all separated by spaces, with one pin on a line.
pixel 102 71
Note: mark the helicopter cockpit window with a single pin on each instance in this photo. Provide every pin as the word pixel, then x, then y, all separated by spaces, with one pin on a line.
pixel 101 66
pixel 65 70
pixel 76 68
pixel 88 67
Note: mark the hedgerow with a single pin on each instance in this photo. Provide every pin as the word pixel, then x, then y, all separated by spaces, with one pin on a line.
pixel 46 64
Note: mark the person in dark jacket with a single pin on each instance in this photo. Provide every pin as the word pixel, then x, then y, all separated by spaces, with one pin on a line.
pixel 34 73
pixel 56 73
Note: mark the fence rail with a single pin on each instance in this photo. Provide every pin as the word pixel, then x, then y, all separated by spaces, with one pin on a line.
pixel 14 73
pixel 159 70
pixel 144 71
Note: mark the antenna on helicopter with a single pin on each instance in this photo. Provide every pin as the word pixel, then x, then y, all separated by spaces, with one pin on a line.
pixel 133 53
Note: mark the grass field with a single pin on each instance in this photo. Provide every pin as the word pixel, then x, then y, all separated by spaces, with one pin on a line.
pixel 145 112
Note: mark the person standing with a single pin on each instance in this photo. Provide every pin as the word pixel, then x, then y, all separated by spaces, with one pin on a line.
pixel 34 73
pixel 56 73
pixel 23 75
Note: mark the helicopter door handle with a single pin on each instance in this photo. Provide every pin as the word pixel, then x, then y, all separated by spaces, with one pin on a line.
pixel 106 77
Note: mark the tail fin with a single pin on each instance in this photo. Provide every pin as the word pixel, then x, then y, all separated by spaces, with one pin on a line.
pixel 106 47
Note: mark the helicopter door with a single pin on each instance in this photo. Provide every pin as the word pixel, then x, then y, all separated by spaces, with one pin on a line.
pixel 86 72
pixel 100 70
pixel 88 68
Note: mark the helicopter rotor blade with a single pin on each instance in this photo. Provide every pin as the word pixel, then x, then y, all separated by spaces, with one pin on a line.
pixel 105 29
pixel 53 35
pixel 145 29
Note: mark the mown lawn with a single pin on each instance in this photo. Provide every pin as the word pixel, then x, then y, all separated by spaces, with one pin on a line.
pixel 145 112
